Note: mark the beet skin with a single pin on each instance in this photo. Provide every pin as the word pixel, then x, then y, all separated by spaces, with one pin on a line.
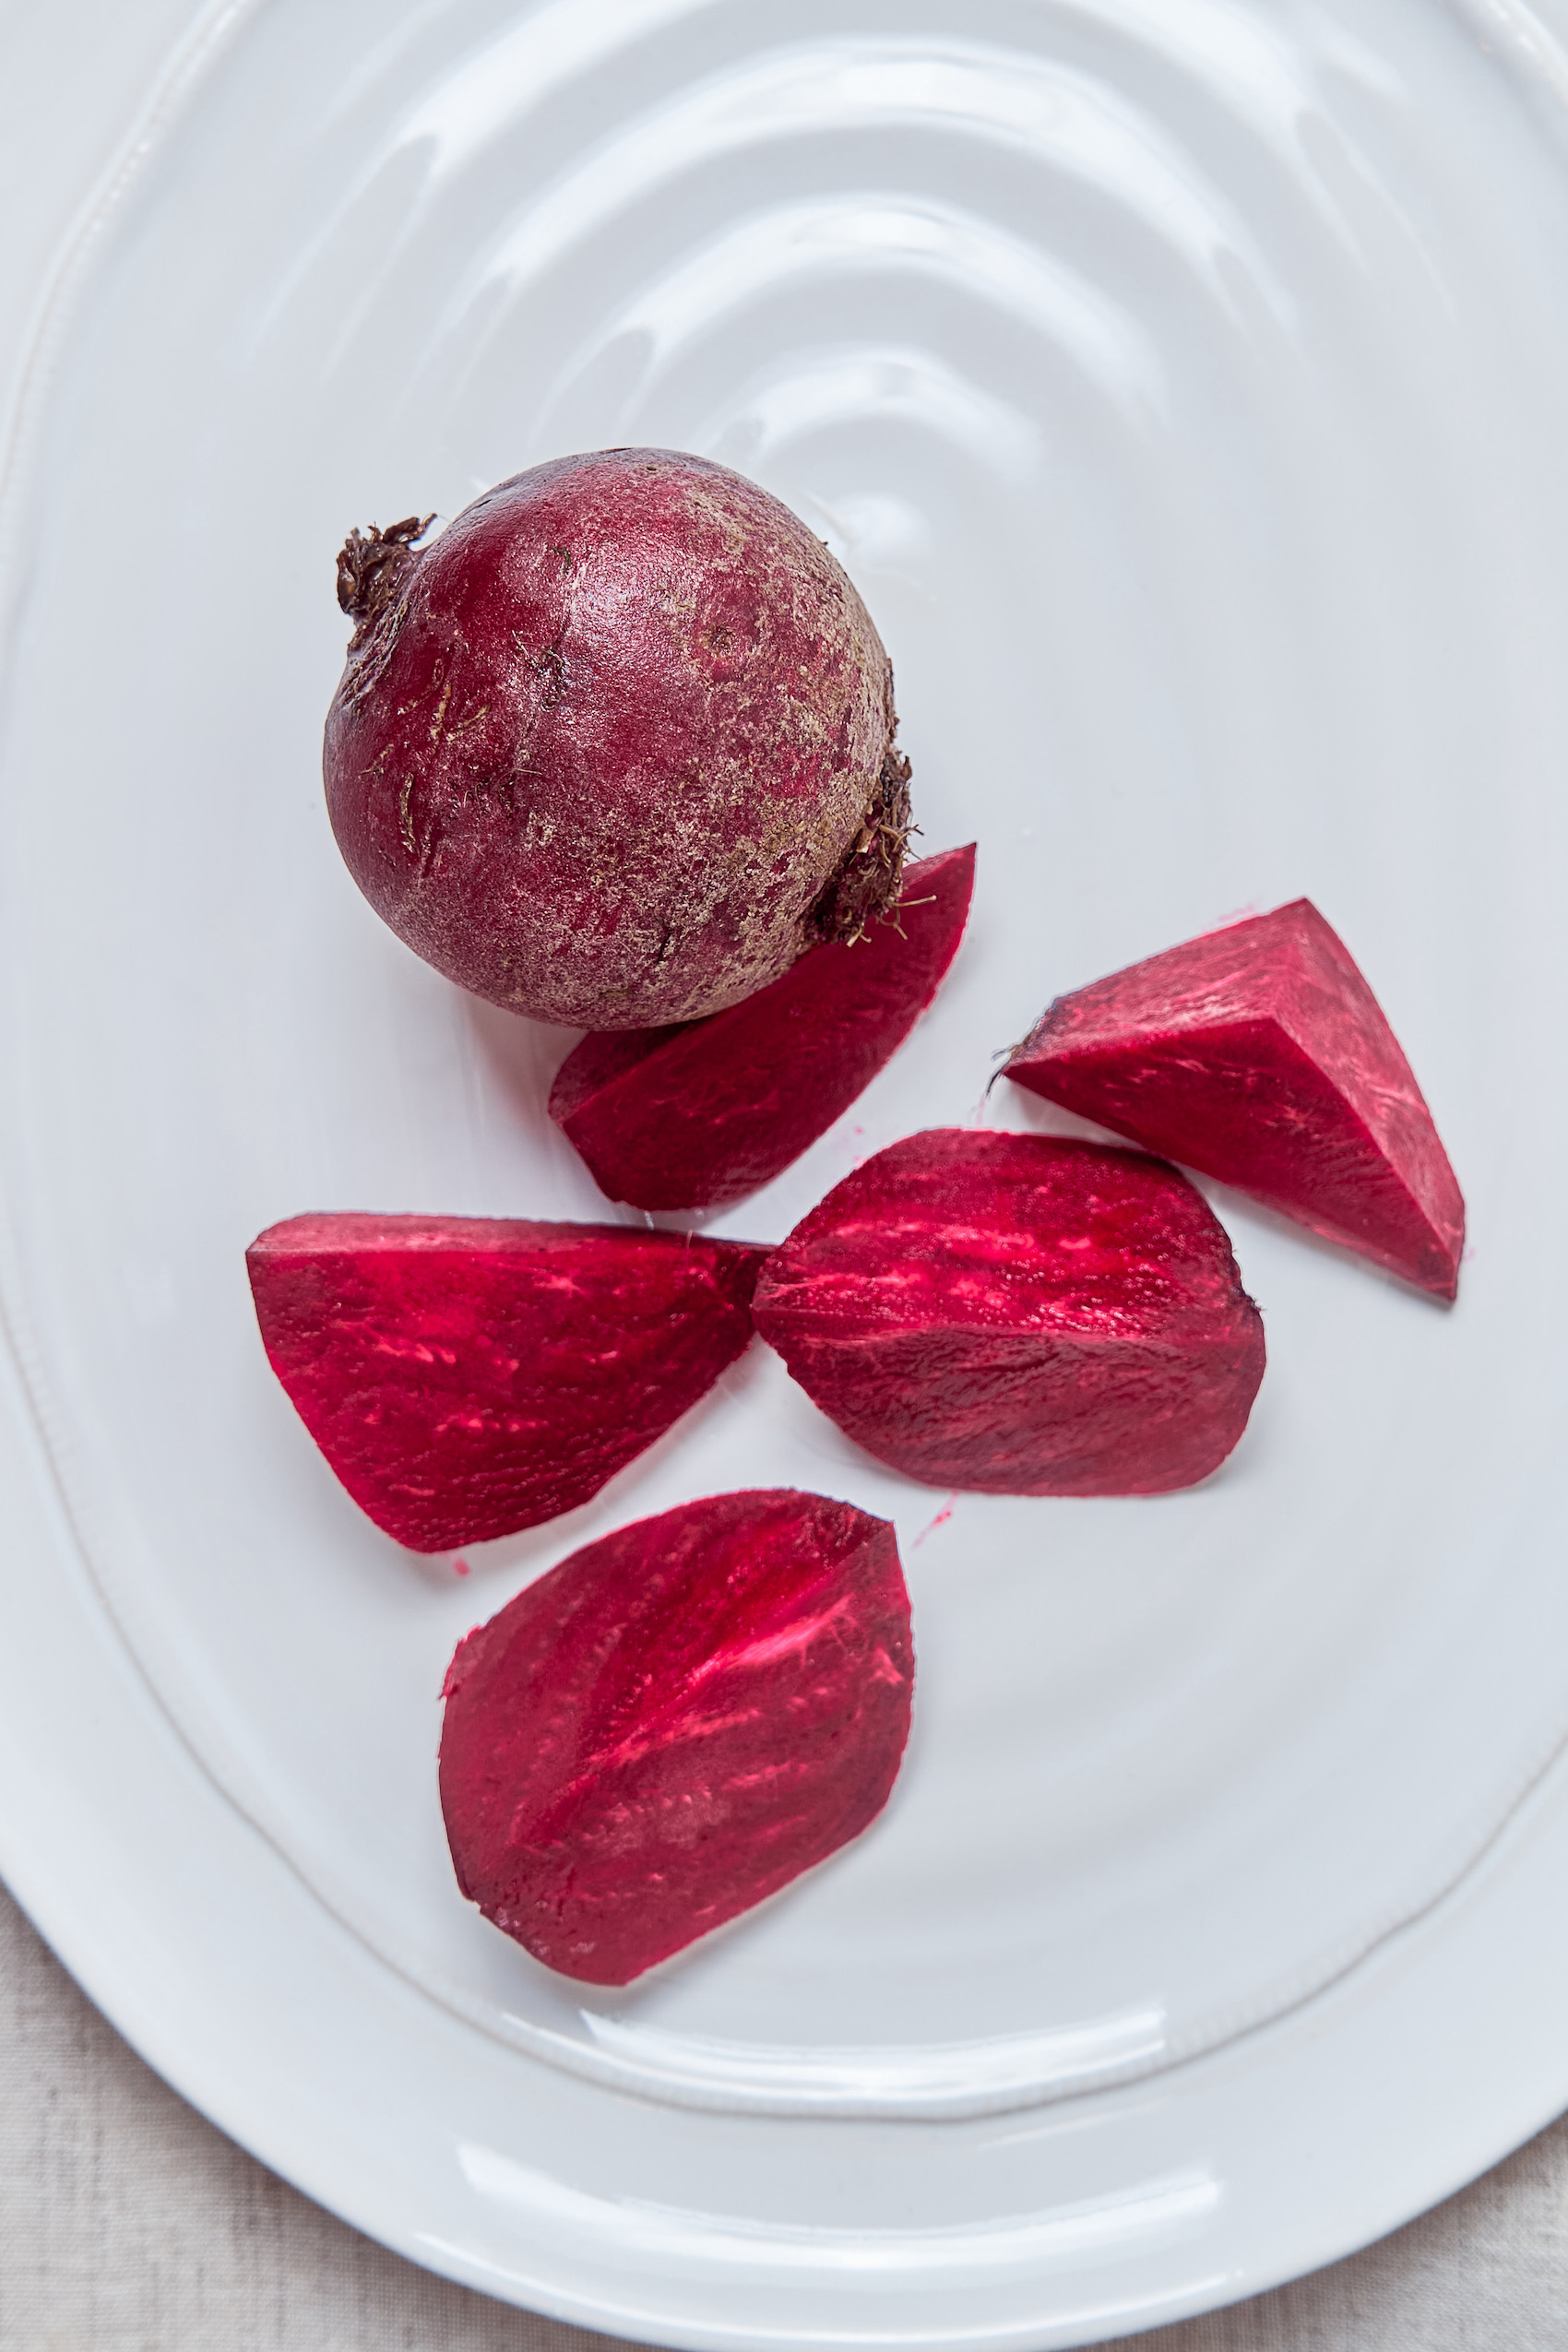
pixel 1259 1054
pixel 1019 1315
pixel 691 1116
pixel 618 744
pixel 673 1724
pixel 469 1376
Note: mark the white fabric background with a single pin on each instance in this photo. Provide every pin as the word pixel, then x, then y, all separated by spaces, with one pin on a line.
pixel 128 2223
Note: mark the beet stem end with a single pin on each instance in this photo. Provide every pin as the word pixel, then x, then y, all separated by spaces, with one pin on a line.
pixel 371 567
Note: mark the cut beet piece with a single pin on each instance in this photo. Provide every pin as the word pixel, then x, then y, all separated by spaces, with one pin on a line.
pixel 1259 1054
pixel 1019 1315
pixel 467 1376
pixel 703 1113
pixel 673 1724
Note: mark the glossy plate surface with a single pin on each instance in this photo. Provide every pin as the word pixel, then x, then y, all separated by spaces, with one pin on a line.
pixel 1183 388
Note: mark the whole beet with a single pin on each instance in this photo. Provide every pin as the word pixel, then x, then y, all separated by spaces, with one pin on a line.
pixel 617 746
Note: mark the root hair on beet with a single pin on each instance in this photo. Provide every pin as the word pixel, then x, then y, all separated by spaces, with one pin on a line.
pixel 370 566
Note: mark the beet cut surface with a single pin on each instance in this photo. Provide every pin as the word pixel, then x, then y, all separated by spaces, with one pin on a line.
pixel 469 1376
pixel 1259 1054
pixel 691 1116
pixel 673 1724
pixel 1019 1315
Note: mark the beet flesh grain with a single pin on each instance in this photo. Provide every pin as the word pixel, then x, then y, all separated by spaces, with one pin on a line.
pixel 673 1724
pixel 1259 1054
pixel 1019 1315
pixel 693 1116
pixel 469 1376
pixel 618 744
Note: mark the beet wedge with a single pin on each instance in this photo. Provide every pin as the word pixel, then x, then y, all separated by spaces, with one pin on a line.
pixel 469 1376
pixel 673 1724
pixel 1019 1315
pixel 704 1112
pixel 1259 1054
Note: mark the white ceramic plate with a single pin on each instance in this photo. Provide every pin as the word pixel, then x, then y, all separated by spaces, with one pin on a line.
pixel 1183 386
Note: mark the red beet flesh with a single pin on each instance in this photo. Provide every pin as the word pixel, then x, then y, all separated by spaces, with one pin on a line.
pixel 1260 1055
pixel 1019 1315
pixel 693 1116
pixel 673 1724
pixel 469 1376
pixel 618 744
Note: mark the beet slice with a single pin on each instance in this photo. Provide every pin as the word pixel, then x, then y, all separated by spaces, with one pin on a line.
pixel 467 1376
pixel 1019 1315
pixel 673 1724
pixel 703 1113
pixel 1259 1054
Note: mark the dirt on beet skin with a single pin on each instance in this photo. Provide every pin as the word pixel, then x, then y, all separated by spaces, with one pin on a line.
pixel 618 745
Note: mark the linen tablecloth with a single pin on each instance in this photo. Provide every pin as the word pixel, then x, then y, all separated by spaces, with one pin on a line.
pixel 128 2223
